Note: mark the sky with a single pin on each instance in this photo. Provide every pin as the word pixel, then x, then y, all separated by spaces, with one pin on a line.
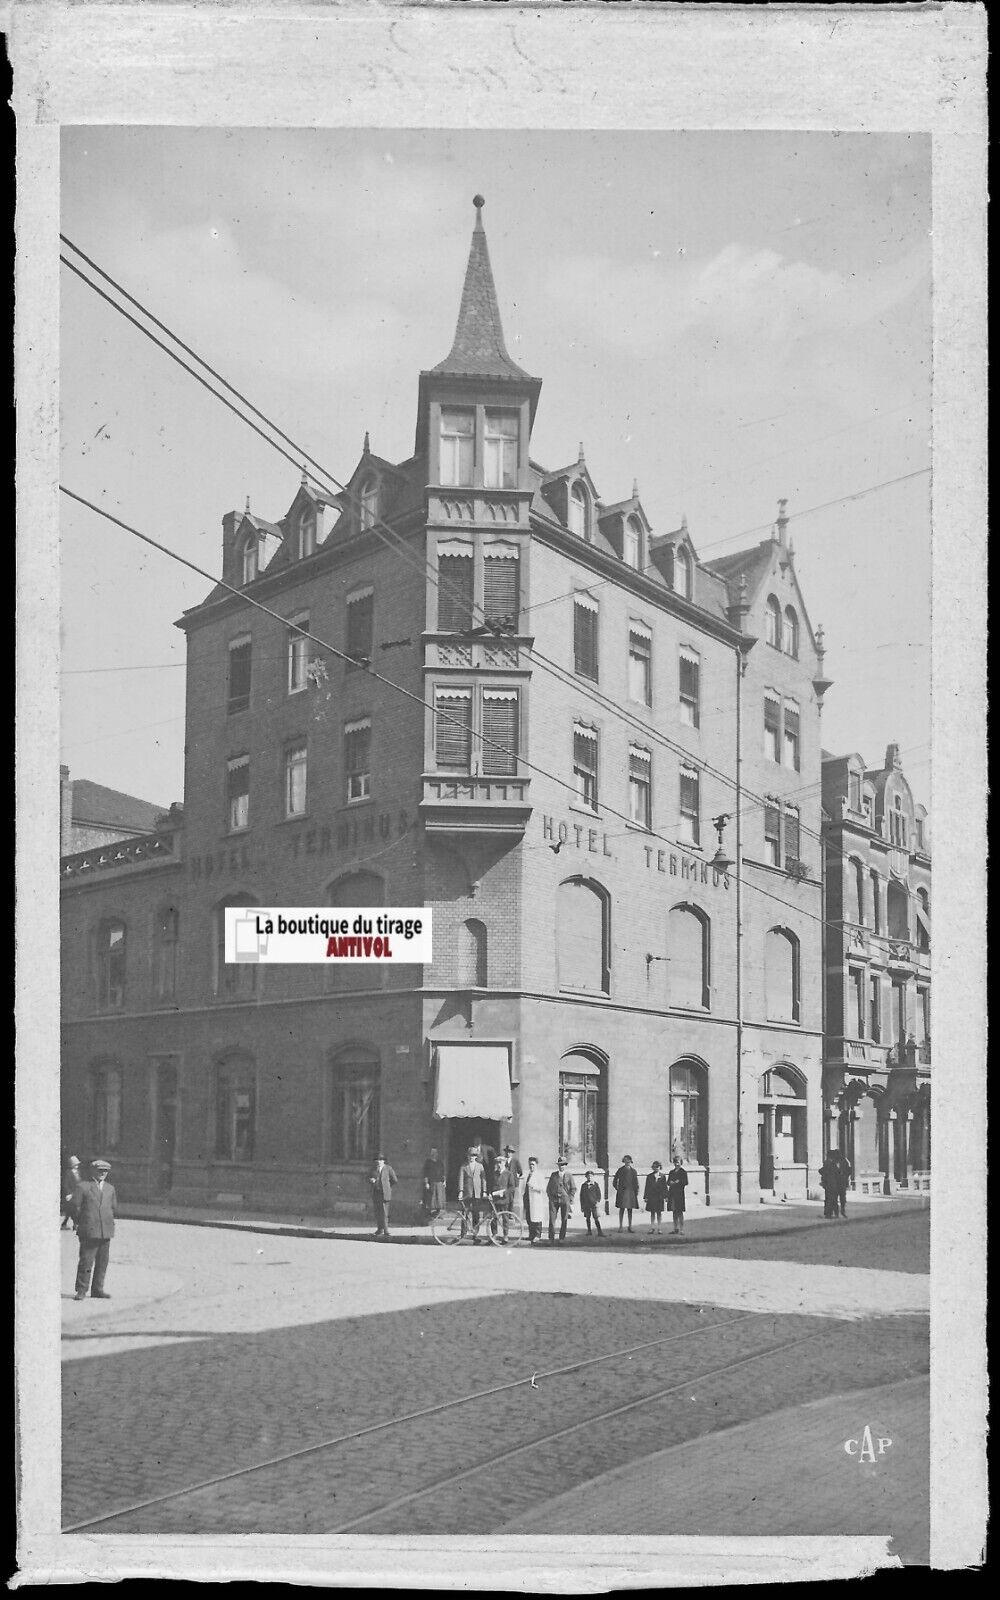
pixel 728 318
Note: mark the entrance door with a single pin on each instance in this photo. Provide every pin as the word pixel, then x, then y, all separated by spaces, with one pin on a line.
pixel 164 1126
pixel 461 1133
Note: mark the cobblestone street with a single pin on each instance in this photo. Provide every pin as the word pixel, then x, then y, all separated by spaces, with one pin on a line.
pixel 342 1373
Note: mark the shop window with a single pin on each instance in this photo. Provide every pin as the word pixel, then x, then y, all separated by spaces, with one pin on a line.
pixel 581 1112
pixel 238 695
pixel 689 955
pixel 166 939
pixel 640 665
pixel 238 794
pixel 583 941
pixel 355 1095
pixel 235 1109
pixel 690 680
pixel 689 1114
pixel 455 589
pixel 585 763
pixel 772 623
pixel 360 624
pixel 585 651
pixel 501 600
pixel 296 762
pixel 105 1109
pixel 781 975
pixel 453 729
pixel 358 759
pixel 690 804
pixel 298 654
pixel 472 955
pixel 458 446
pixel 500 450
pixel 640 786
pixel 111 951
pixel 500 732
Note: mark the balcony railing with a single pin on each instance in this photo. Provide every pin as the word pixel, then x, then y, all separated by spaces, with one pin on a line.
pixel 470 802
pixel 150 849
pixel 498 651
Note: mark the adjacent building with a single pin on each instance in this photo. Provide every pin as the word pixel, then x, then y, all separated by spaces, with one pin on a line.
pixel 877 1059
pixel 483 687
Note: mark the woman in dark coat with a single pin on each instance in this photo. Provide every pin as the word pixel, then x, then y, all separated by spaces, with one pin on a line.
pixel 626 1182
pixel 676 1184
pixel 654 1195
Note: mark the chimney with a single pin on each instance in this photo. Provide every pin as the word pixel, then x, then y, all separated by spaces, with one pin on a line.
pixel 782 522
pixel 65 813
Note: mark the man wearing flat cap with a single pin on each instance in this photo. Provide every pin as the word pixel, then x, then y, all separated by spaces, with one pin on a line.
pixel 95 1206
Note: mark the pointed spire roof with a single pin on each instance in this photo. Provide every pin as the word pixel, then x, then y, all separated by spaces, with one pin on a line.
pixel 479 350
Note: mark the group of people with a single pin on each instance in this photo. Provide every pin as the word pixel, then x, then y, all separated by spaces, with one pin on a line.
pixel 549 1199
pixel 834 1177
pixel 90 1205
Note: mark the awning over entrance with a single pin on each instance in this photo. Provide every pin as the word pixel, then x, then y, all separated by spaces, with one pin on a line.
pixel 473 1080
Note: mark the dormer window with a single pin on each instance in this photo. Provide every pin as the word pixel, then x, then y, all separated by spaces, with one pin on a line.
pixel 682 572
pixel 791 633
pixel 579 511
pixel 307 533
pixel 500 458
pixel 773 623
pixel 632 543
pixel 458 447
pixel 369 503
pixel 250 559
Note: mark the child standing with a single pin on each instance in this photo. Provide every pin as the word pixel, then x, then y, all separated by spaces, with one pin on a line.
pixel 676 1184
pixel 590 1200
pixel 654 1194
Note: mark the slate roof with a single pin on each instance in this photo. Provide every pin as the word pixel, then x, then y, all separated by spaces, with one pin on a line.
pixel 92 802
pixel 479 350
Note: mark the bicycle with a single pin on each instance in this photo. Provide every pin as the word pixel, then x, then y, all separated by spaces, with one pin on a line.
pixel 453 1224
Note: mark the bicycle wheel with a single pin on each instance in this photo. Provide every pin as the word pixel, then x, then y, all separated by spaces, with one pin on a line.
pixel 447 1225
pixel 510 1229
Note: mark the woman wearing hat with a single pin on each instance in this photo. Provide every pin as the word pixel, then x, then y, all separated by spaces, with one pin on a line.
pixel 626 1182
pixel 654 1195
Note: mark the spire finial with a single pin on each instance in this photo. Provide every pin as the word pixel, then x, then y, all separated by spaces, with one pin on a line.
pixel 782 522
pixel 635 488
pixel 580 455
pixel 684 522
pixel 367 446
pixel 246 508
pixel 305 475
pixel 478 202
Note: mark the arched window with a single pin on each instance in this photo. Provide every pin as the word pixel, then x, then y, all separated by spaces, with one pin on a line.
pixel 110 952
pixel 369 502
pixel 773 623
pixel 231 980
pixel 683 572
pixel 689 957
pixel 781 1122
pixel 898 910
pixel 579 511
pixel 583 1109
pixel 689 1113
pixel 249 558
pixel 361 889
pixel 105 1108
pixel 632 553
pixel 876 883
pixel 583 936
pixel 355 1094
pixel 235 1108
pixel 923 910
pixel 781 975
pixel 791 640
pixel 166 934
pixel 897 824
pixel 472 968
pixel 307 532
pixel 859 892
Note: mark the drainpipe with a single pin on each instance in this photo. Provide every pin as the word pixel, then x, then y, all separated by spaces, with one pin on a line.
pixel 737 613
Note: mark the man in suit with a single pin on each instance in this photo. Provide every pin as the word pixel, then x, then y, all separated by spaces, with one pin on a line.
pixel 472 1190
pixel 561 1191
pixel 95 1206
pixel 382 1181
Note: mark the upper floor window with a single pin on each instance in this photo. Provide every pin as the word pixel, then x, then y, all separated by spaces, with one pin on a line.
pixel 782 833
pixel 296 760
pixel 499 732
pixel 232 979
pixel 458 447
pixel 501 600
pixel 683 572
pixel 781 975
pixel 772 832
pixel 368 507
pixel 111 944
pixel 453 728
pixel 240 652
pixel 793 856
pixel 585 652
pixel 632 551
pixel 585 752
pixel 238 793
pixel 791 633
pixel 689 952
pixel 791 741
pixel 918 829
pixel 875 1007
pixel 471 969
pixel 166 938
pixel 772 623
pixel 583 936
pixel 897 910
pixel 876 884
pixel 106 1108
pixel 298 654
pixel 690 676
pixel 455 588
pixel 897 824
pixel 360 623
pixel 579 511
pixel 640 664
pixel 640 786
pixel 854 791
pixel 690 800
pixel 772 728
pixel 249 558
pixel 500 450
pixel 923 910
pixel 306 543
pixel 859 892
pixel 358 759
pixel 235 1109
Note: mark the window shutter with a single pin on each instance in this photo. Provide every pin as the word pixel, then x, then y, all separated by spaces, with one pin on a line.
pixel 690 676
pixel 585 750
pixel 239 674
pixel 360 613
pixel 771 714
pixel 770 822
pixel 357 746
pixel 585 638
pixel 500 719
pixel 500 590
pixel 689 791
pixel 792 833
pixel 455 593
pixel 453 731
